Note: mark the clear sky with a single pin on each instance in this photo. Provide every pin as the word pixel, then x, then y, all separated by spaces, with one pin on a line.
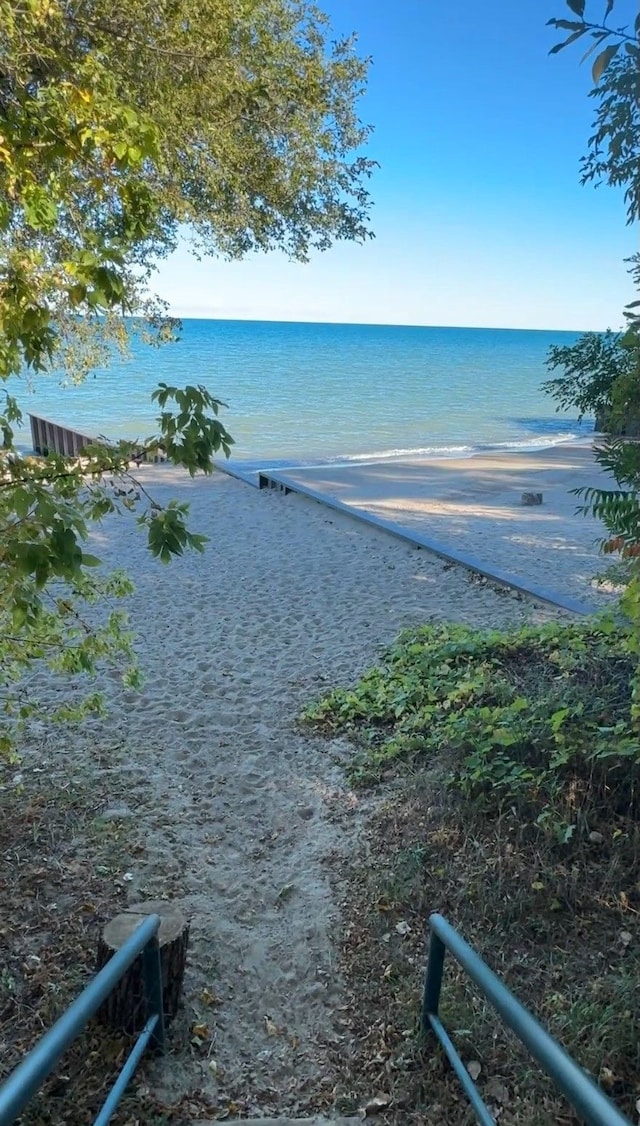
pixel 479 216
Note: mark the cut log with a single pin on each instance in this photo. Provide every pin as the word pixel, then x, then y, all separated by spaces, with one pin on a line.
pixel 125 1007
pixel 531 498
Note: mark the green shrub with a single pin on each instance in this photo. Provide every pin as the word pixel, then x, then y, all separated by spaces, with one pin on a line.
pixel 538 719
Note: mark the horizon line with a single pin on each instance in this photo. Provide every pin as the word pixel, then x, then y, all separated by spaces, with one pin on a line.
pixel 381 324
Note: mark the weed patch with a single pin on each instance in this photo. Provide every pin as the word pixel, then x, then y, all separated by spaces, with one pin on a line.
pixel 515 814
pixel 539 719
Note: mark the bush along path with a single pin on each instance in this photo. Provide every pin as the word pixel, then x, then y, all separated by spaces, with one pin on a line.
pixel 515 814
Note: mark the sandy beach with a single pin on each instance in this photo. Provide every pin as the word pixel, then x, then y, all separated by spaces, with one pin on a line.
pixel 474 506
pixel 350 251
pixel 236 812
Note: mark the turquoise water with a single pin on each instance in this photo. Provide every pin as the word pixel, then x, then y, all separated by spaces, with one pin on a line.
pixel 315 392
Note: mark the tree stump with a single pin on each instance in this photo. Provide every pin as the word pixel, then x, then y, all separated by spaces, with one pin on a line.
pixel 531 498
pixel 125 1007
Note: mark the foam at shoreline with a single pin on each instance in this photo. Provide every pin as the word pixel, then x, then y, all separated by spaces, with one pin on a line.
pixel 542 442
pixel 418 454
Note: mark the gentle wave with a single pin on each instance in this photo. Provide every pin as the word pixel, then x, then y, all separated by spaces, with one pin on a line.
pixel 435 453
pixel 542 442
pixel 422 451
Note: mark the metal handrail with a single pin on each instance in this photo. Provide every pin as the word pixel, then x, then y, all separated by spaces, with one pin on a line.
pixel 30 1074
pixel 583 1094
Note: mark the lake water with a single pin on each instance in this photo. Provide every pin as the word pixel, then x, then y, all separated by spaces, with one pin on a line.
pixel 304 393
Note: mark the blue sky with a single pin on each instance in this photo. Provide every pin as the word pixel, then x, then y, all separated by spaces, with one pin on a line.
pixel 479 215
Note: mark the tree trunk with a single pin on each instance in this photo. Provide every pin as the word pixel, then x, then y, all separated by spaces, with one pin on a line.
pixel 125 1007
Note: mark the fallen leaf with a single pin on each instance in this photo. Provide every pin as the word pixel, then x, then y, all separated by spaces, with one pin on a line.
pixel 271 1027
pixel 200 1030
pixel 495 1089
pixel 474 1068
pixel 378 1102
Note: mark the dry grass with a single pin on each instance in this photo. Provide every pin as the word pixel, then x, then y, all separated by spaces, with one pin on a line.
pixel 63 875
pixel 560 926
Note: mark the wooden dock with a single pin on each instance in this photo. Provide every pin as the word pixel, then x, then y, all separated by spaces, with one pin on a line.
pixel 50 437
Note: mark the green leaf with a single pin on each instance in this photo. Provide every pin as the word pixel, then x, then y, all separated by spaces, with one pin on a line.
pixel 566 25
pixel 558 718
pixel 603 60
pixel 598 36
pixel 629 339
pixel 567 42
pixel 576 6
pixel 22 501
pixel 77 294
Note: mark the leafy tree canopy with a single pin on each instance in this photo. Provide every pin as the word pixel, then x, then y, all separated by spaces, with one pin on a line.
pixel 124 124
pixel 122 127
pixel 603 373
pixel 599 378
pixel 613 155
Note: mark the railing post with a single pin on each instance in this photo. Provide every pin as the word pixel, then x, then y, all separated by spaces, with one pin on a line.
pixel 433 982
pixel 152 981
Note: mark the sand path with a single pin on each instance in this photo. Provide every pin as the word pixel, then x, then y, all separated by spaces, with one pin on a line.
pixel 241 816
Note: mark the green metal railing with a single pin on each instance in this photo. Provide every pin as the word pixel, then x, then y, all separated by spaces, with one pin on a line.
pixel 23 1083
pixel 584 1095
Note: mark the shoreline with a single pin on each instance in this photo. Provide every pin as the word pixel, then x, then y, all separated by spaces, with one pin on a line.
pixel 471 506
pixel 446 453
